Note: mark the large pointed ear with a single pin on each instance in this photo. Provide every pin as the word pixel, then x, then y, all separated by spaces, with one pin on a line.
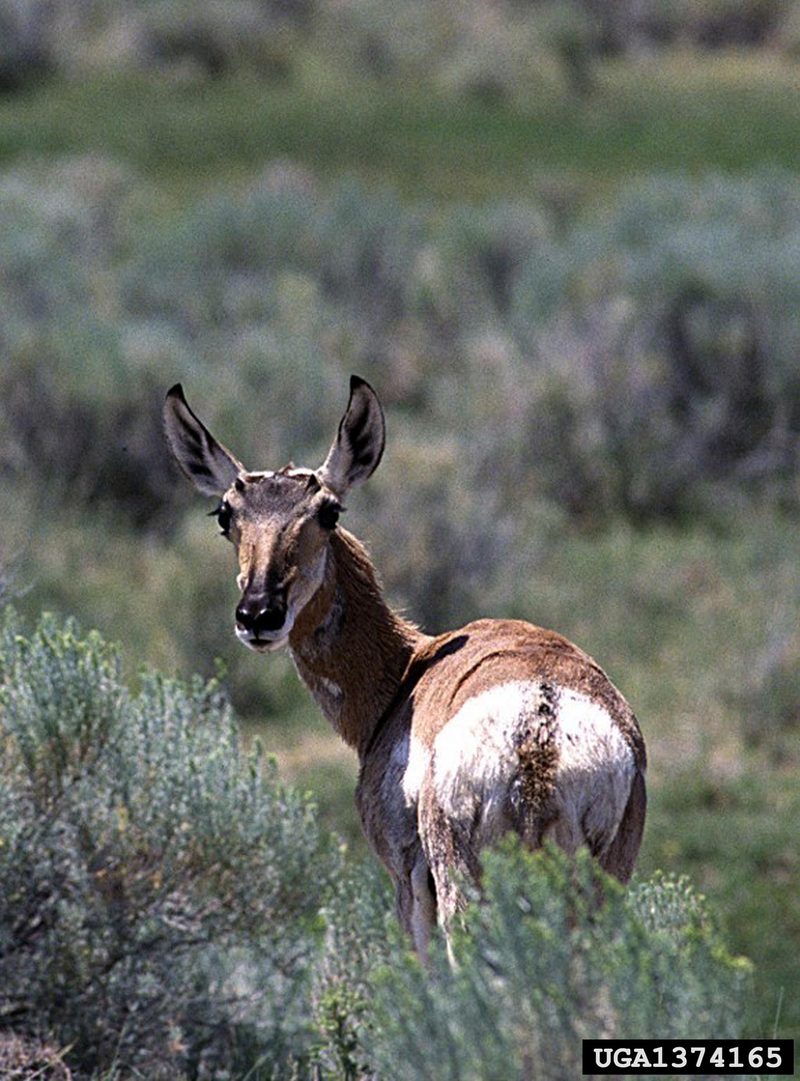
pixel 358 446
pixel 209 466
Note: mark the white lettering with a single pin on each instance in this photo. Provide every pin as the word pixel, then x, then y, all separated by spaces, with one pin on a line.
pixel 717 1057
pixel 602 1057
pixel 700 1054
pixel 774 1058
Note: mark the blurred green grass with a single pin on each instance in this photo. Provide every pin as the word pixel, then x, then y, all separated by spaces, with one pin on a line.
pixel 736 838
pixel 730 112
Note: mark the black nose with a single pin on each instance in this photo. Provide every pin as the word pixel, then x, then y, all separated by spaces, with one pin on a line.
pixel 259 616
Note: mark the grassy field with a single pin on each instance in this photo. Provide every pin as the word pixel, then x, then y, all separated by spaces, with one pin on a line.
pixel 682 618
pixel 684 114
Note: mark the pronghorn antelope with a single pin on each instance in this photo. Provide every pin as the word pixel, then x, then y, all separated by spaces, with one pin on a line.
pixel 461 736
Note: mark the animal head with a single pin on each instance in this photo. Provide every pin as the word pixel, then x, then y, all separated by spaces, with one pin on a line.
pixel 281 522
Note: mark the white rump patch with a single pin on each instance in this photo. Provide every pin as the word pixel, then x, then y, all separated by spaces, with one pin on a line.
pixel 595 770
pixel 587 736
pixel 475 754
pixel 476 760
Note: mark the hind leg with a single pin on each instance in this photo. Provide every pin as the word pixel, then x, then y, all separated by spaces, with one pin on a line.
pixel 620 856
pixel 450 851
pixel 423 908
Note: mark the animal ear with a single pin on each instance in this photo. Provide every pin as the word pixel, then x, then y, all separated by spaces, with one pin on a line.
pixel 209 466
pixel 358 446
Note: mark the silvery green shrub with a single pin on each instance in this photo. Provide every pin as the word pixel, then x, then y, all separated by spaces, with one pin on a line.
pixel 168 908
pixel 160 890
pixel 638 363
pixel 541 966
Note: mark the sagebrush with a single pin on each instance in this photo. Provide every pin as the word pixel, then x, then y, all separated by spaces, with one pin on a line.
pixel 641 364
pixel 168 908
pixel 155 881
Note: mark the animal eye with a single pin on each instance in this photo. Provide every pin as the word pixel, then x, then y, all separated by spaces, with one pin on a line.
pixel 328 515
pixel 223 515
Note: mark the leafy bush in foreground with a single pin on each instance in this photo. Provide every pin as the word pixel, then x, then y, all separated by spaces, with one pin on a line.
pixel 169 910
pixel 156 910
pixel 540 967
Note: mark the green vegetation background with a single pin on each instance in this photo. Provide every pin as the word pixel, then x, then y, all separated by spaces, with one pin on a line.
pixel 506 266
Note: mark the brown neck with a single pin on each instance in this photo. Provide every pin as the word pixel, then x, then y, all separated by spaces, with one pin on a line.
pixel 350 648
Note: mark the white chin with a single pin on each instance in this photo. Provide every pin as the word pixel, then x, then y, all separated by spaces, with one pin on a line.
pixel 262 645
